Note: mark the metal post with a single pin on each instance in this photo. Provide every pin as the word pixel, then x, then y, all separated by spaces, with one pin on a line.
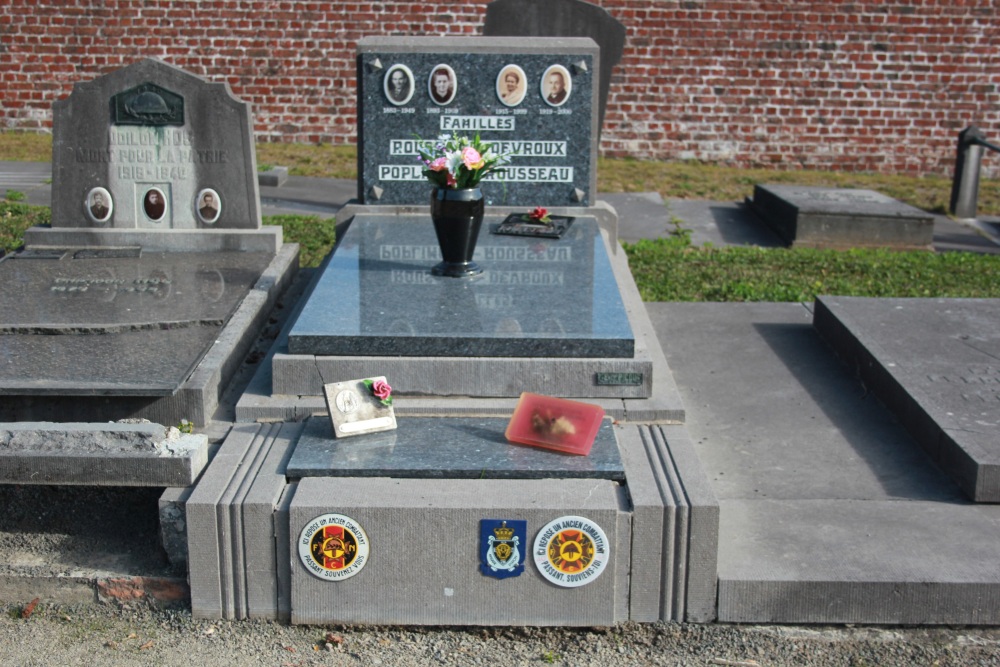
pixel 965 183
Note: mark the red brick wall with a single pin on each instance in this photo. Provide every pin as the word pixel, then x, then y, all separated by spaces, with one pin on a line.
pixel 867 85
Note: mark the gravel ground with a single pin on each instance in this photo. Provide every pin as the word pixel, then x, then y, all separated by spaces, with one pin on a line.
pixel 99 635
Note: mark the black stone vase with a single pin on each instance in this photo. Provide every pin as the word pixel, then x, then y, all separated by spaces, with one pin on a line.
pixel 457 216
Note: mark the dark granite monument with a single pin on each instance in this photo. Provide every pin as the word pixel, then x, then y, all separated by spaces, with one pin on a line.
pixel 550 316
pixel 532 98
pixel 816 217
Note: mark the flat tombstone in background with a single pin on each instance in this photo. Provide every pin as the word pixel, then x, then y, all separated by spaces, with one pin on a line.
pixel 561 18
pixel 153 147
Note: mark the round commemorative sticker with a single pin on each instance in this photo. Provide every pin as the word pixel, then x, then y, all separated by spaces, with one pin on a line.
pixel 333 547
pixel 571 551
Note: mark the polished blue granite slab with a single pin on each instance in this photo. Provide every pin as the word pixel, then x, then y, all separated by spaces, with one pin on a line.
pixel 535 298
pixel 459 448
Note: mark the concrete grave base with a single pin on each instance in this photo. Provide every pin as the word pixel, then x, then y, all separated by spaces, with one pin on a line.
pixel 815 217
pixel 245 517
pixel 424 563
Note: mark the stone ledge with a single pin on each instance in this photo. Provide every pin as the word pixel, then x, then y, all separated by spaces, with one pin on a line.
pixel 112 454
pixel 274 177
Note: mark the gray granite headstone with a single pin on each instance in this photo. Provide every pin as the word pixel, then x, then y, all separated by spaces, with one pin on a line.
pixel 561 18
pixel 554 138
pixel 807 216
pixel 153 147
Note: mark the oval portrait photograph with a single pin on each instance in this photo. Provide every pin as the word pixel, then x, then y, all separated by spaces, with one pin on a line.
pixel 442 84
pixel 398 84
pixel 154 204
pixel 208 205
pixel 511 85
pixel 556 85
pixel 99 205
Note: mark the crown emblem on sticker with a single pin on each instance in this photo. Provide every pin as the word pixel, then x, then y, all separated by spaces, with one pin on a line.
pixel 333 547
pixel 571 551
pixel 500 543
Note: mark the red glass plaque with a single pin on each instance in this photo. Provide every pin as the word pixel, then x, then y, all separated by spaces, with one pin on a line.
pixel 555 423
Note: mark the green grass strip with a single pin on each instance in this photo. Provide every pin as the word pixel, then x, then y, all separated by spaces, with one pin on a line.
pixel 670 269
pixel 314 235
pixel 16 217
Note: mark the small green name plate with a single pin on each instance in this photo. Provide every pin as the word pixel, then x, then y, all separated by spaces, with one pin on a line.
pixel 618 379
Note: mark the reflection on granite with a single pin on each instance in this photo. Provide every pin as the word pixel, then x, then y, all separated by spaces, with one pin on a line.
pixel 536 297
pixel 91 294
pixel 460 448
pixel 115 325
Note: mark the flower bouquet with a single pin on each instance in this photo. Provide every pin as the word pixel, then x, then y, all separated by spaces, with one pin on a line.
pixel 459 162
pixel 455 165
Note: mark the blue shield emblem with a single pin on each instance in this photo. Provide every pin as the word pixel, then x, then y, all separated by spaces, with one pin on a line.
pixel 501 544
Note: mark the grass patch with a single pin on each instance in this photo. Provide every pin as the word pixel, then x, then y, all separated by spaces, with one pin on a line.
pixel 314 235
pixel 25 146
pixel 16 217
pixel 670 269
pixel 322 161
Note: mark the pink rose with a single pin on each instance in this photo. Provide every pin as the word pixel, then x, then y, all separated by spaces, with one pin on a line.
pixel 471 158
pixel 381 389
pixel 440 164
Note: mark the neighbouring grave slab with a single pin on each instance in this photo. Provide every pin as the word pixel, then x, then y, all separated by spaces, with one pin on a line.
pixel 274 177
pixel 114 454
pixel 98 323
pixel 536 298
pixel 95 382
pixel 909 562
pixel 807 216
pixel 934 363
pixel 462 448
pixel 500 88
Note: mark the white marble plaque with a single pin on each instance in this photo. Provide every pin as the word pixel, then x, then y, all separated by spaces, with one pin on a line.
pixel 360 406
